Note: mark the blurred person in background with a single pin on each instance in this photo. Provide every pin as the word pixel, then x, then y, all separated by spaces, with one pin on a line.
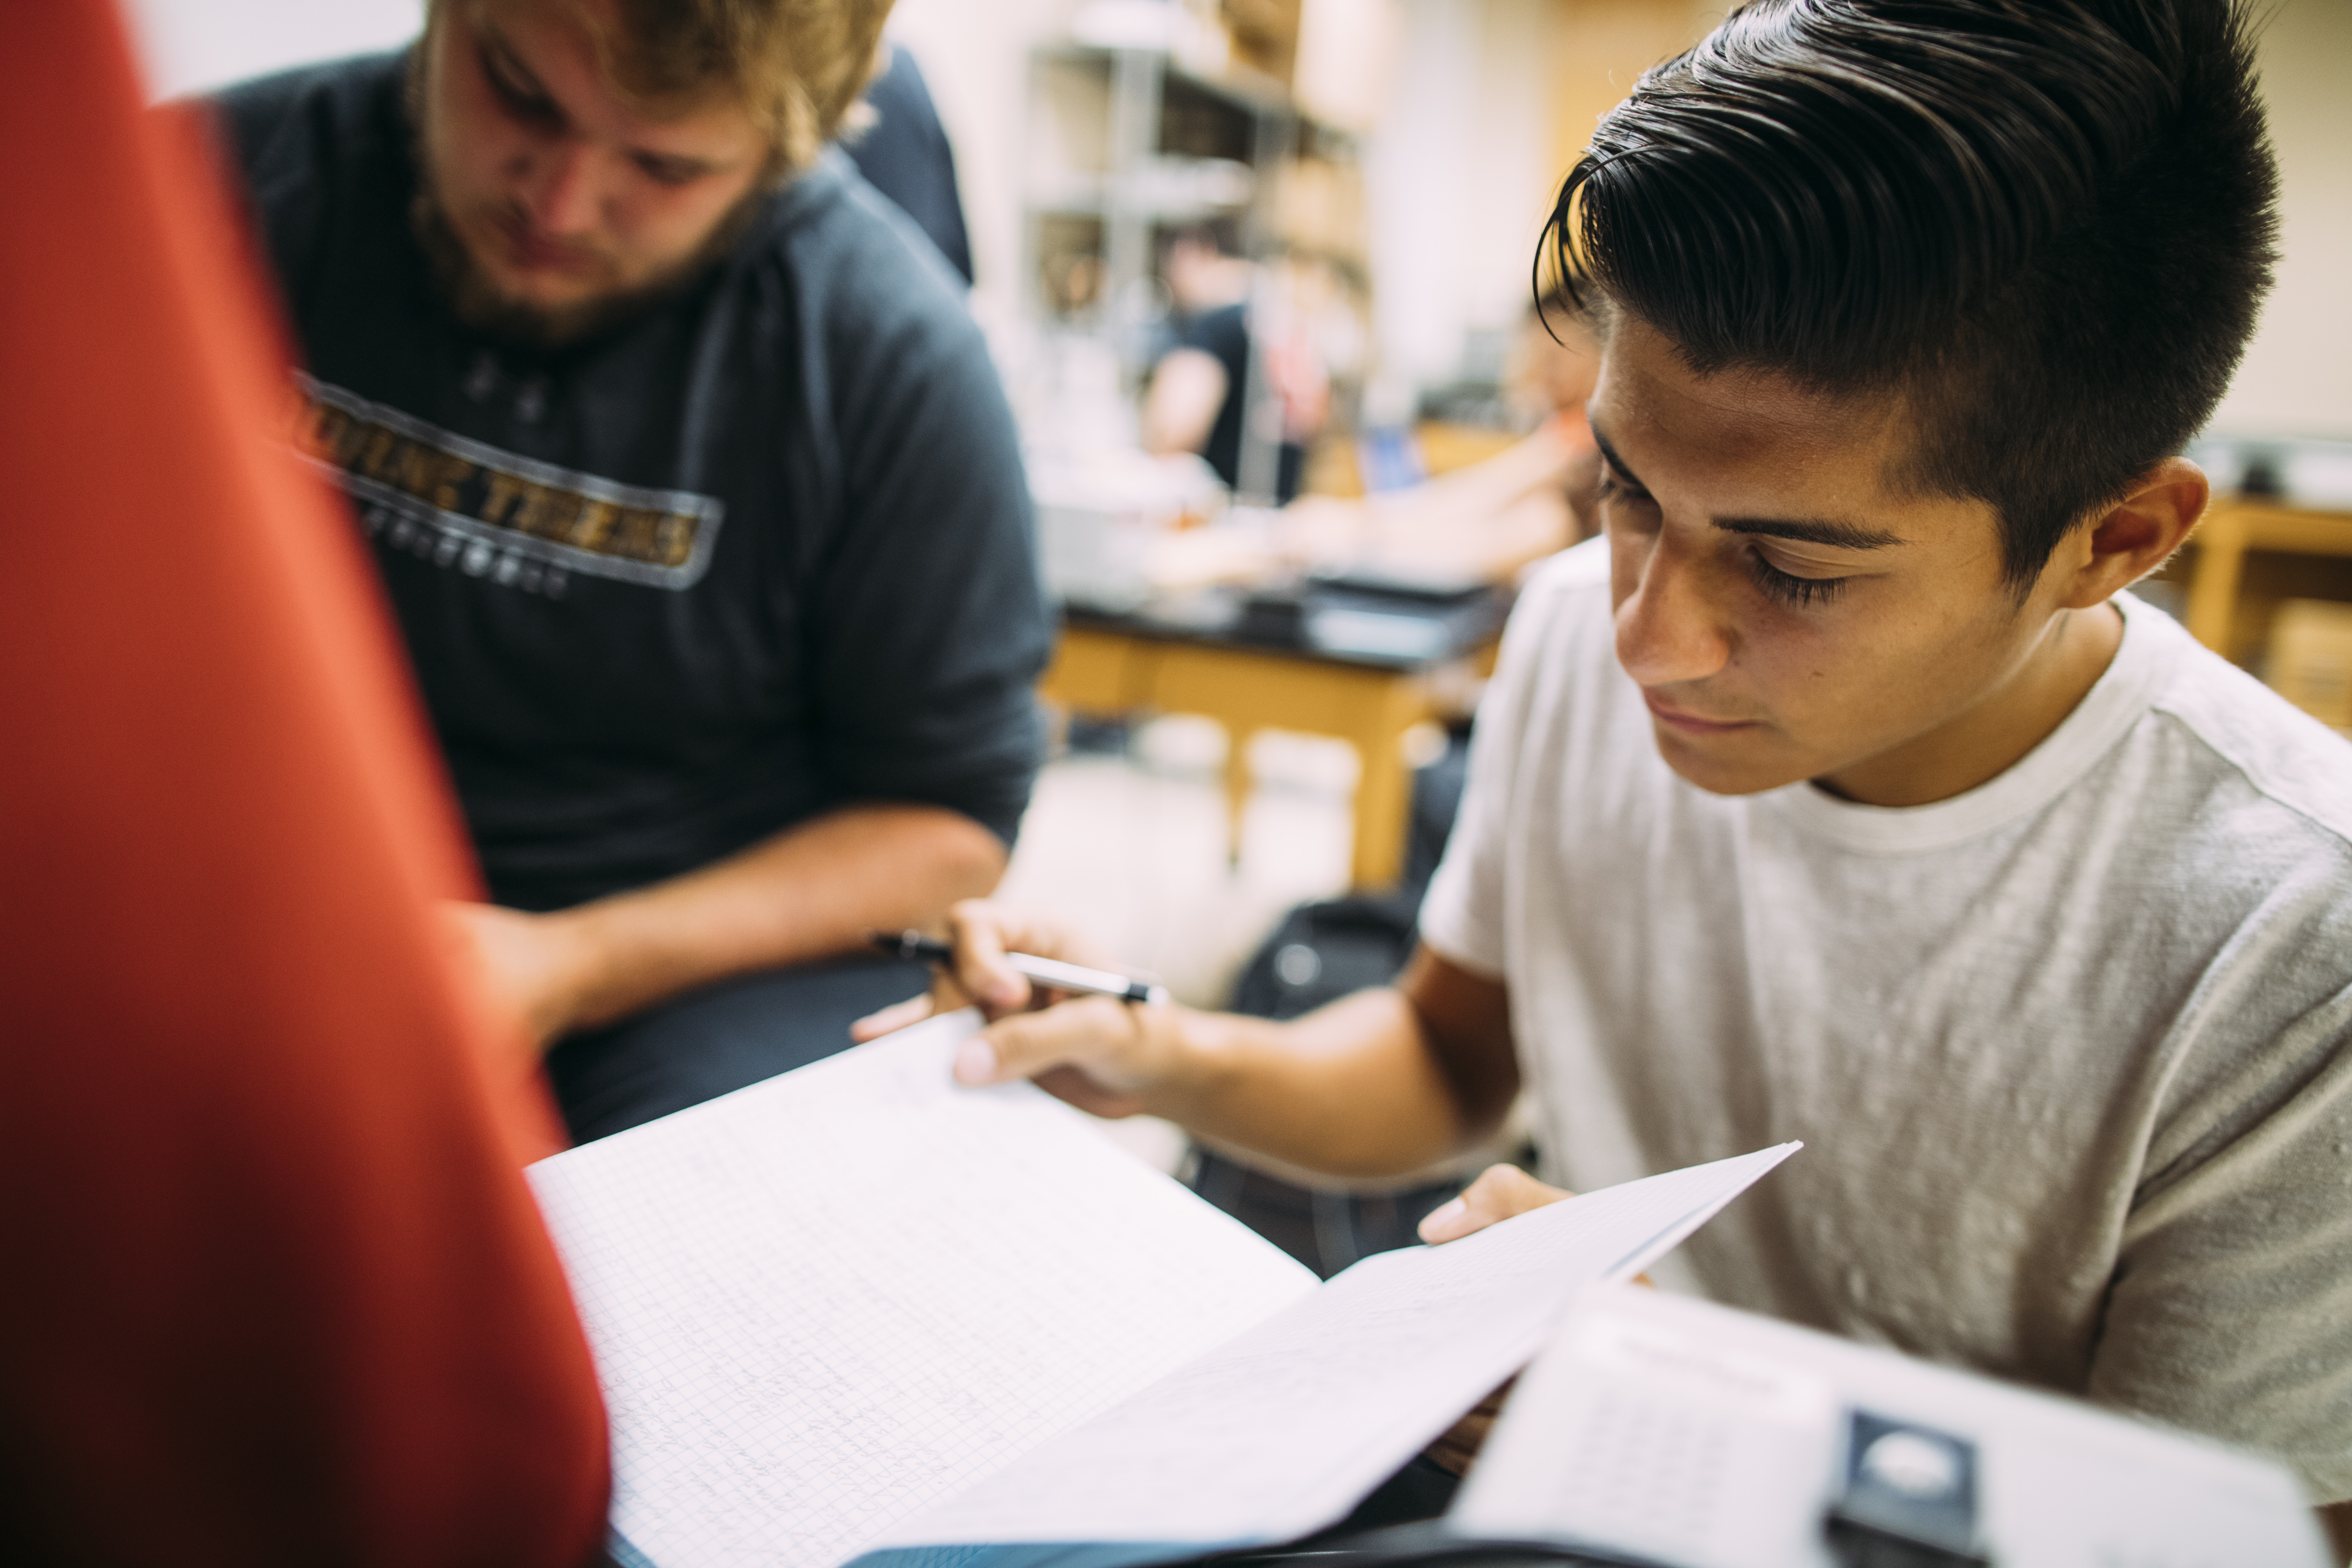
pixel 1495 518
pixel 1841 794
pixel 696 497
pixel 1198 397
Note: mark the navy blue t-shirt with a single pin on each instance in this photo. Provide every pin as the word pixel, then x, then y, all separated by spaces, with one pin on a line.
pixel 762 550
pixel 1223 333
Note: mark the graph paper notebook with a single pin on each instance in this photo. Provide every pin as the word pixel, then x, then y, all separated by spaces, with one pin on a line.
pixel 858 1311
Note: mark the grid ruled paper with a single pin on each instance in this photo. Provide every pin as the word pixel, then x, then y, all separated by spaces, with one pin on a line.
pixel 819 1304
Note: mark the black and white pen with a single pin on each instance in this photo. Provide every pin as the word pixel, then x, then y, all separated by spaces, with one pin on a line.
pixel 1051 973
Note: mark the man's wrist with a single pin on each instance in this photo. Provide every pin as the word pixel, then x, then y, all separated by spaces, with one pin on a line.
pixel 582 973
pixel 1193 1060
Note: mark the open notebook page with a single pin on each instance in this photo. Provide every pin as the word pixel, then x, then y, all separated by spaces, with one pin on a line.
pixel 823 1302
pixel 1285 1429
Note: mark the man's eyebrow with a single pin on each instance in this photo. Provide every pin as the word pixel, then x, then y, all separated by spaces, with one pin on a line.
pixel 1808 530
pixel 1812 531
pixel 688 163
pixel 518 75
pixel 520 78
pixel 1610 452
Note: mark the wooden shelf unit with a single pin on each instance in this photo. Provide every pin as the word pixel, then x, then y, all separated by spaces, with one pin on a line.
pixel 1128 143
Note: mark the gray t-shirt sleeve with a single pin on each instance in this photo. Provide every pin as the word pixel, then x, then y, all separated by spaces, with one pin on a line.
pixel 927 628
pixel 2230 1306
pixel 1462 913
pixel 1461 916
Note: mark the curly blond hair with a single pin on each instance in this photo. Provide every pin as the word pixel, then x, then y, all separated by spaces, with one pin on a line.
pixel 796 67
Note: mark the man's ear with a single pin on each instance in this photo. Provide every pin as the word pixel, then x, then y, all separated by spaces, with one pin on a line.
pixel 2134 536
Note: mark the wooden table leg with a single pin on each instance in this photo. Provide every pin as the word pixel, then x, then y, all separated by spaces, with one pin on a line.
pixel 2220 544
pixel 1237 786
pixel 1384 787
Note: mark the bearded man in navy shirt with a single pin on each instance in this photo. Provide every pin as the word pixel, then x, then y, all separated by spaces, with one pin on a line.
pixel 697 500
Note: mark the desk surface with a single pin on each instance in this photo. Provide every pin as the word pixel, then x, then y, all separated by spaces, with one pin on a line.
pixel 1363 627
pixel 1348 662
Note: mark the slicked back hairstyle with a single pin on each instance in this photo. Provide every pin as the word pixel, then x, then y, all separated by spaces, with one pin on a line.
pixel 2045 226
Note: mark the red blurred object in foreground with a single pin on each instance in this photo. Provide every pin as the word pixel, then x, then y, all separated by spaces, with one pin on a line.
pixel 275 1290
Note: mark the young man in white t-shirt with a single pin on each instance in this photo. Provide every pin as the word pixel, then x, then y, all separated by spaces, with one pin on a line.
pixel 1842 793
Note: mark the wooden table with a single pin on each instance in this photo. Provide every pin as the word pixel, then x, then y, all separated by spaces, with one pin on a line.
pixel 1111 665
pixel 2218 550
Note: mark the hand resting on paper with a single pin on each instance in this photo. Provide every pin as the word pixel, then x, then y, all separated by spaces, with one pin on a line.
pixel 1500 1193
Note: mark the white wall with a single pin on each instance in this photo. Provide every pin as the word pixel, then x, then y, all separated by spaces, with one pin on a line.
pixel 974 53
pixel 2298 377
pixel 194 45
pixel 1455 180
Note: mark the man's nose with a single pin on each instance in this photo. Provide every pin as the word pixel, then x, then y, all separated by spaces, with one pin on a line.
pixel 562 189
pixel 1668 628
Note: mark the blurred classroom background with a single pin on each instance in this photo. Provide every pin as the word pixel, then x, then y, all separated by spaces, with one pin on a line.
pixel 1260 705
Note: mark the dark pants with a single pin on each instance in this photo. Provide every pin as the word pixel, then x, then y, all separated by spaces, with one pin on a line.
pixel 1326 1231
pixel 720 1038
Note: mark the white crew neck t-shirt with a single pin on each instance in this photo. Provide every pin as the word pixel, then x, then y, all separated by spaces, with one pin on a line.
pixel 2071 1053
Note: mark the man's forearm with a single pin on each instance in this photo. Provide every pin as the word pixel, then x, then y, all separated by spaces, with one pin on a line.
pixel 1379 1083
pixel 812 891
pixel 1353 1089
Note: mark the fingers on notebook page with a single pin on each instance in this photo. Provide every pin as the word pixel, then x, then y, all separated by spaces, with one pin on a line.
pixel 897 1015
pixel 1500 1193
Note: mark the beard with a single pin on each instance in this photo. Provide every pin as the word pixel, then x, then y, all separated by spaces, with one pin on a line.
pixel 474 297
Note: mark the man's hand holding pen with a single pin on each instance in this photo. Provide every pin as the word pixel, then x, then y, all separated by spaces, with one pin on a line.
pixel 1103 1054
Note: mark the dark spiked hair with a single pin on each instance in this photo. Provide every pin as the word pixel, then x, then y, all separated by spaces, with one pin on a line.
pixel 2045 226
